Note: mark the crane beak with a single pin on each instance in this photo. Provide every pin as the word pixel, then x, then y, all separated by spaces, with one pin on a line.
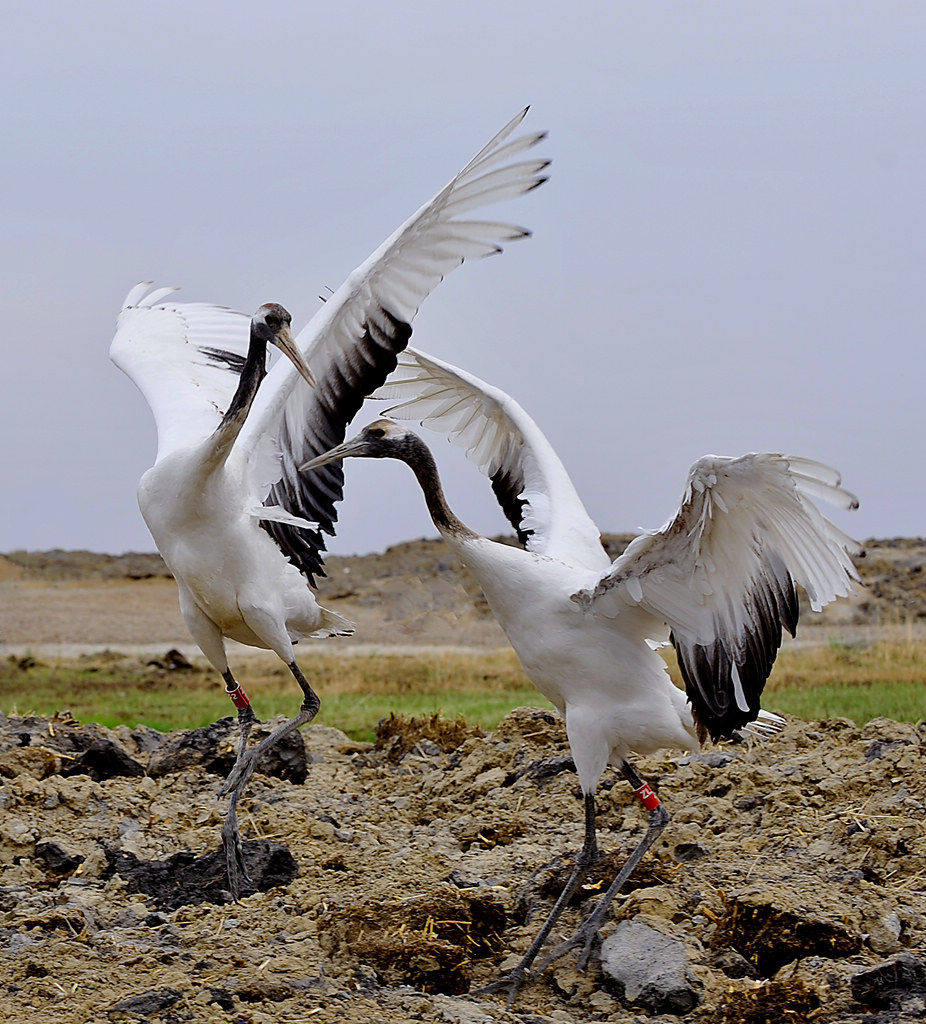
pixel 286 343
pixel 355 446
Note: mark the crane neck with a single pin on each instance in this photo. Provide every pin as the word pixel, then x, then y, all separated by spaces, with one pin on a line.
pixel 418 457
pixel 252 373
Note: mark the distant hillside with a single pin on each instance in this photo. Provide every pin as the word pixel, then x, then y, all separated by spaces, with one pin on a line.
pixel 892 571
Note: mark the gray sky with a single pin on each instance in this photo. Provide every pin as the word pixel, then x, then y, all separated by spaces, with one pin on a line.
pixel 729 255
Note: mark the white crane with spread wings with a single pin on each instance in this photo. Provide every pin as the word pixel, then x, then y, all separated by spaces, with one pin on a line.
pixel 238 526
pixel 719 580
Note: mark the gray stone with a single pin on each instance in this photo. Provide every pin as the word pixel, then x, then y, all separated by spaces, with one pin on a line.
pixel 898 984
pixel 646 968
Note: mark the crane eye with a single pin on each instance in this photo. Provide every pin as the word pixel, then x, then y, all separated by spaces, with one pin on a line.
pixel 377 432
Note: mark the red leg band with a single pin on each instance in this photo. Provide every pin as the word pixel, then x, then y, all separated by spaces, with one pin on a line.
pixel 647 797
pixel 239 698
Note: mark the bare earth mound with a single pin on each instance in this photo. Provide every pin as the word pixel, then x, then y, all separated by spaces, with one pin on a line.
pixel 392 880
pixel 399 877
pixel 415 593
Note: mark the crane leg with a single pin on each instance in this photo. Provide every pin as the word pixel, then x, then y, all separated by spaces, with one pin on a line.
pixel 246 716
pixel 235 866
pixel 587 934
pixel 244 768
pixel 247 761
pixel 584 859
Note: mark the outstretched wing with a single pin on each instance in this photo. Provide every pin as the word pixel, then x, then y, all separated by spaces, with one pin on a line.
pixel 353 341
pixel 185 358
pixel 531 484
pixel 722 574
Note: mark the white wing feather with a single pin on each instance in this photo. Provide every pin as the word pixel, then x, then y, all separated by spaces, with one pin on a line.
pixel 721 573
pixel 530 482
pixel 737 516
pixel 397 278
pixel 184 357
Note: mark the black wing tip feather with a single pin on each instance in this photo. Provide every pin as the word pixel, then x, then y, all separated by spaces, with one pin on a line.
pixel 338 395
pixel 304 548
pixel 233 361
pixel 707 669
pixel 507 491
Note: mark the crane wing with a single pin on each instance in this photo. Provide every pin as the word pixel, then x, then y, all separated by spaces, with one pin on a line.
pixel 722 574
pixel 529 481
pixel 185 358
pixel 353 341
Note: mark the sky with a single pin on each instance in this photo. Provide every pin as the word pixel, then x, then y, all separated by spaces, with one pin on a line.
pixel 728 256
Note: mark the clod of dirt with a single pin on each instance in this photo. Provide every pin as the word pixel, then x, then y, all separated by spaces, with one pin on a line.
pixel 437 871
pixel 57 857
pixel 398 735
pixel 34 761
pixel 213 748
pixel 62 734
pixel 774 925
pixel 264 992
pixel 543 768
pixel 105 759
pixel 774 1001
pixel 427 941
pixel 184 879
pixel 550 881
pixel 146 1003
pixel 173 661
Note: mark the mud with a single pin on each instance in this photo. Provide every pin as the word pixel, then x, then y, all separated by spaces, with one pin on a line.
pixel 391 880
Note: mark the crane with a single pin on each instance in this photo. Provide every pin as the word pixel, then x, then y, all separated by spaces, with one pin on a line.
pixel 718 581
pixel 237 525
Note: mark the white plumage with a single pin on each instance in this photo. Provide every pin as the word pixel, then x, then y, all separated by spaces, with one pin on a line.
pixel 239 528
pixel 718 579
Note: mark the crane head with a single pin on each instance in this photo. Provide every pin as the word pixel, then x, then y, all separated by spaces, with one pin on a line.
pixel 272 322
pixel 382 439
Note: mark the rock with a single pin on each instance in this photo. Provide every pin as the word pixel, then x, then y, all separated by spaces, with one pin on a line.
pixel 898 984
pixel 732 964
pixel 648 969
pixel 454 1011
pixel 884 932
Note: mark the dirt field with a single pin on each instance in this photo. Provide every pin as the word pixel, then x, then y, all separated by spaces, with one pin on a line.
pixel 412 594
pixel 393 879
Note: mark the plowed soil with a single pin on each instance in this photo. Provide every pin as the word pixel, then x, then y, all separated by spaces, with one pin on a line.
pixel 393 880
